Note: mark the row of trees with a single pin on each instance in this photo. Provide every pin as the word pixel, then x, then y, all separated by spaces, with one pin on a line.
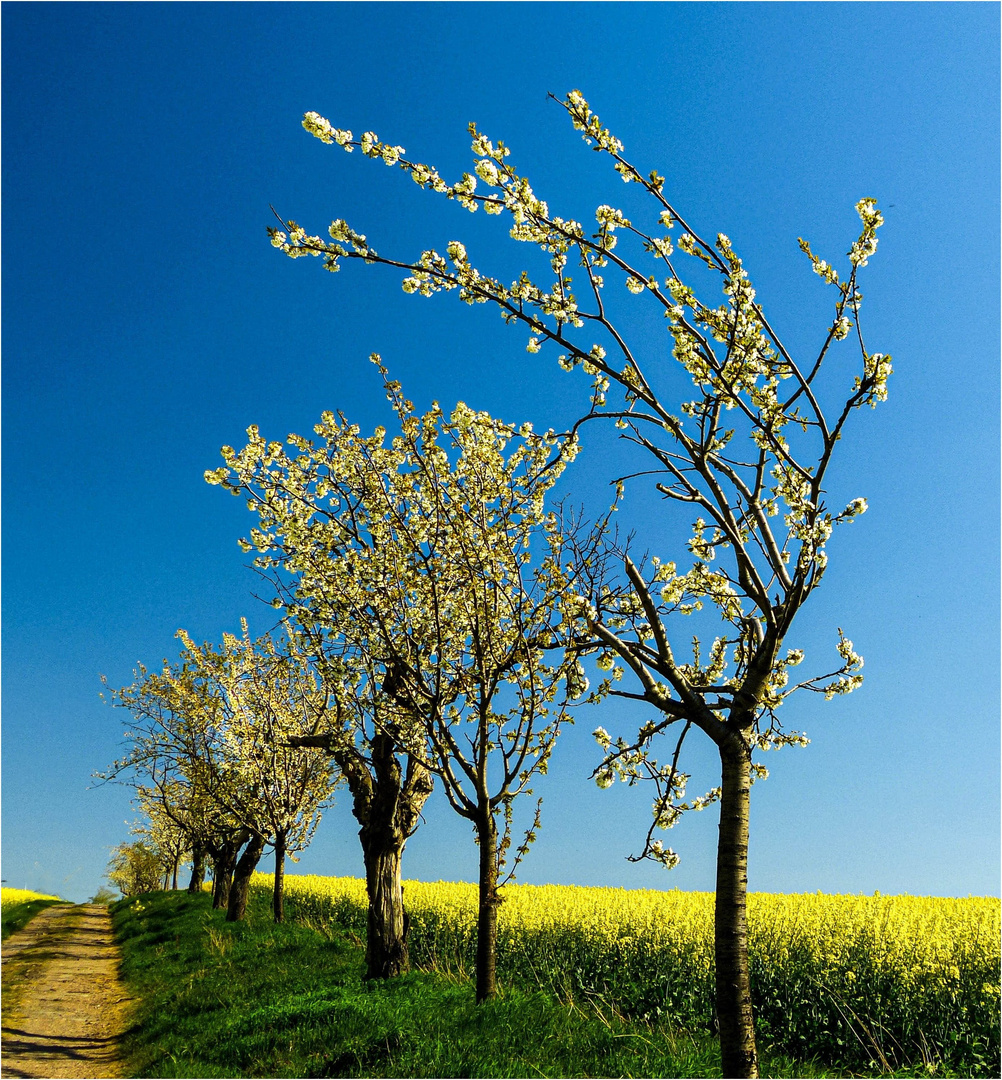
pixel 210 757
pixel 426 593
pixel 439 613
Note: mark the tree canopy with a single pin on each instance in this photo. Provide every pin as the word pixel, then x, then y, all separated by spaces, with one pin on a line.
pixel 749 453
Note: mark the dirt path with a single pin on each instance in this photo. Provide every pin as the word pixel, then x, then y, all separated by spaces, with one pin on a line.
pixel 64 1007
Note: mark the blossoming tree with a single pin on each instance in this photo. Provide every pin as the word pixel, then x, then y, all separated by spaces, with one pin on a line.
pixel 135 868
pixel 161 829
pixel 414 562
pixel 216 728
pixel 164 764
pixel 269 694
pixel 749 453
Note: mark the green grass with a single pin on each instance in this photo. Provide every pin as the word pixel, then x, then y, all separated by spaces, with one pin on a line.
pixel 254 999
pixel 17 916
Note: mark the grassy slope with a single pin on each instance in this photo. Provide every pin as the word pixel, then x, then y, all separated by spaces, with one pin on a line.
pixel 255 999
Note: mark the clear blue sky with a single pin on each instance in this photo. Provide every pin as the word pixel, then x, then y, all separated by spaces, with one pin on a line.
pixel 147 321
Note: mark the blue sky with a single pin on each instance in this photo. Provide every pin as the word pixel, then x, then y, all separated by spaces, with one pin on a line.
pixel 147 321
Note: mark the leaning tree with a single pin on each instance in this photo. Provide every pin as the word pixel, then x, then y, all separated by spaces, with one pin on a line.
pixel 749 453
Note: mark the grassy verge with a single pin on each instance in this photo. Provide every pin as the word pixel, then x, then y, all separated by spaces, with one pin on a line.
pixel 255 999
pixel 17 916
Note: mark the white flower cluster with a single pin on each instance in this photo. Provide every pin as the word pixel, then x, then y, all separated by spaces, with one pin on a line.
pixel 841 327
pixel 665 856
pixel 610 218
pixel 321 128
pixel 586 121
pixel 866 245
pixel 876 371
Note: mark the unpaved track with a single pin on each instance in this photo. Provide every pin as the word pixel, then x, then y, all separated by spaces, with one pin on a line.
pixel 64 1007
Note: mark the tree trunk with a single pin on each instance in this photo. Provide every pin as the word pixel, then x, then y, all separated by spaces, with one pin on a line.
pixel 197 869
pixel 222 876
pixel 487 918
pixel 738 1055
pixel 224 859
pixel 386 952
pixel 173 880
pixel 236 909
pixel 387 804
pixel 278 898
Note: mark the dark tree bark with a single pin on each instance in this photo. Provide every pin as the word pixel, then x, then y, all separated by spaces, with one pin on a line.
pixel 487 917
pixel 236 909
pixel 197 869
pixel 386 951
pixel 222 878
pixel 224 859
pixel 387 809
pixel 734 1006
pixel 386 802
pixel 278 897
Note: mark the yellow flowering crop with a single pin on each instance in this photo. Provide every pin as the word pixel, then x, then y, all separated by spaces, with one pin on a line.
pixel 12 897
pixel 850 978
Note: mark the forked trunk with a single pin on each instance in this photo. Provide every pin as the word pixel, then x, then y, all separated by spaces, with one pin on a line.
pixel 388 808
pixel 738 1055
pixel 387 804
pixel 224 859
pixel 197 869
pixel 236 909
pixel 487 917
pixel 278 898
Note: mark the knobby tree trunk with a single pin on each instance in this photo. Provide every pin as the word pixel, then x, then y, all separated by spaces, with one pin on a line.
pixel 278 897
pixel 738 1055
pixel 386 951
pixel 487 917
pixel 222 876
pixel 387 807
pixel 224 859
pixel 237 907
pixel 197 869
pixel 386 802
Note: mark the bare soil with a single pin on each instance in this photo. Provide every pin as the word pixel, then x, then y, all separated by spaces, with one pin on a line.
pixel 64 1008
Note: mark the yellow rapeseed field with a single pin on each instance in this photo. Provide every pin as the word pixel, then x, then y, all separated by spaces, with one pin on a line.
pixel 12 897
pixel 863 978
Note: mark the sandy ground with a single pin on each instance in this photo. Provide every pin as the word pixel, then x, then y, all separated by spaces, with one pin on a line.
pixel 64 1007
